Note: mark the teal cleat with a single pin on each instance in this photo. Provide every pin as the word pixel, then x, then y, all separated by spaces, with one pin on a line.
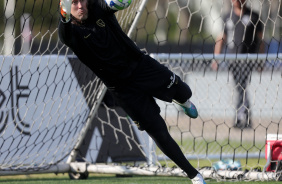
pixel 189 109
pixel 198 179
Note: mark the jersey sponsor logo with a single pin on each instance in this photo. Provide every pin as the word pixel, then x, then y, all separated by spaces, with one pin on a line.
pixel 87 36
pixel 172 78
pixel 100 23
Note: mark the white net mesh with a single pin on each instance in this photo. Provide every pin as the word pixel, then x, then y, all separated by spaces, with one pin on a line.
pixel 46 93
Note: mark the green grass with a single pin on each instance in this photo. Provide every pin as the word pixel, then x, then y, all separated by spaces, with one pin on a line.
pixel 106 179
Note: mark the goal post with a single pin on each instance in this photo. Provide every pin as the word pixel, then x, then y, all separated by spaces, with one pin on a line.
pixel 56 116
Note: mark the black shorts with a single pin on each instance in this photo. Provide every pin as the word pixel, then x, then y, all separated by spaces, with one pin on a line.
pixel 151 80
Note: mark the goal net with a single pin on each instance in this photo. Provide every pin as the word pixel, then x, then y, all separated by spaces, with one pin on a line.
pixel 57 116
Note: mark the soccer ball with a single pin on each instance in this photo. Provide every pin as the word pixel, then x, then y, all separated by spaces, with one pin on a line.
pixel 118 4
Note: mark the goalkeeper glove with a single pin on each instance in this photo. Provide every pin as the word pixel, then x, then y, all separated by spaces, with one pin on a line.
pixel 65 6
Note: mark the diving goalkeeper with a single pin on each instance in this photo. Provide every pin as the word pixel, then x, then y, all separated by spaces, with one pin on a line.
pixel 90 29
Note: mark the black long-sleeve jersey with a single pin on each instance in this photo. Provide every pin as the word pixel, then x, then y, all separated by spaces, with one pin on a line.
pixel 100 44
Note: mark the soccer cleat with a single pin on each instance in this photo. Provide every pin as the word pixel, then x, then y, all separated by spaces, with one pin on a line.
pixel 189 109
pixel 198 179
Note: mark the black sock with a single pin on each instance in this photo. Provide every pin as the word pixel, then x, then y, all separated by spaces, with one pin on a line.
pixel 170 148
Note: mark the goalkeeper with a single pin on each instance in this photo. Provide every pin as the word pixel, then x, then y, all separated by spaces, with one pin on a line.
pixel 91 30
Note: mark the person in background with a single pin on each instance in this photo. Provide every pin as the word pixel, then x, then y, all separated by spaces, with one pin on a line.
pixel 242 34
pixel 134 78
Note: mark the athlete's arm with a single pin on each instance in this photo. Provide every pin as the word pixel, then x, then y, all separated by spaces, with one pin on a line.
pixel 259 37
pixel 65 31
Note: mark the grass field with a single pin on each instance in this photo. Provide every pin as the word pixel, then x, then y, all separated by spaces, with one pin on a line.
pixel 107 179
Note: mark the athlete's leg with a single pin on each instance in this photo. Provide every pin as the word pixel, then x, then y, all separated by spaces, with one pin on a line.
pixel 182 97
pixel 144 111
pixel 241 73
pixel 159 133
pixel 182 91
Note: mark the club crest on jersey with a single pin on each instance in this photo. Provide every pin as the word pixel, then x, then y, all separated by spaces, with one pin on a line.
pixel 172 78
pixel 100 23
